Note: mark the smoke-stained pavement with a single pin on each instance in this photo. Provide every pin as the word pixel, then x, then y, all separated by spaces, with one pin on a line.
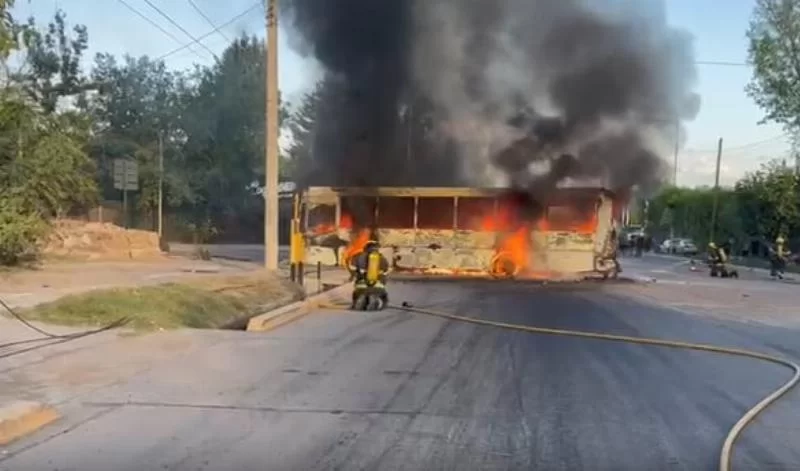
pixel 390 390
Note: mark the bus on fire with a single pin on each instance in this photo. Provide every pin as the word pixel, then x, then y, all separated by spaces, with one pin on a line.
pixel 462 231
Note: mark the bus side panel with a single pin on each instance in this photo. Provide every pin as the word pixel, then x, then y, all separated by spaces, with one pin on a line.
pixel 434 248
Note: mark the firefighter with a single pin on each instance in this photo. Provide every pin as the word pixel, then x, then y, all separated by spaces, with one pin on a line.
pixel 639 244
pixel 778 257
pixel 713 254
pixel 718 262
pixel 369 268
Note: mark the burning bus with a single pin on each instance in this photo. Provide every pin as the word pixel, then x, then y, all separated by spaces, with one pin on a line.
pixel 463 231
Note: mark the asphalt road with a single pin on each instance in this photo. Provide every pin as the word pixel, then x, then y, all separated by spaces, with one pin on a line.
pixel 668 267
pixel 390 390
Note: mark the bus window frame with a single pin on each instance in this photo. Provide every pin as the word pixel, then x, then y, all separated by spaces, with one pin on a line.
pixel 436 198
pixel 490 200
pixel 414 206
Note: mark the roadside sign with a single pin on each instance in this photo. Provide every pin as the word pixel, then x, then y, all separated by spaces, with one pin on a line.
pixel 126 175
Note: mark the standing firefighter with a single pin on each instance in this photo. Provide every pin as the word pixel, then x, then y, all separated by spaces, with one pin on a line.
pixel 369 269
pixel 778 255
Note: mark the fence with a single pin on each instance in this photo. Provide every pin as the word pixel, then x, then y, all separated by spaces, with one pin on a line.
pixel 241 229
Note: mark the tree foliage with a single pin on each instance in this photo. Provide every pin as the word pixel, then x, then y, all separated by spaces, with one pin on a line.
pixel 774 51
pixel 52 66
pixel 45 170
pixel 688 213
pixel 769 199
pixel 763 205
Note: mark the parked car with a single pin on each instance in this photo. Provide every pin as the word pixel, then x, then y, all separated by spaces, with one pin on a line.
pixel 686 247
pixel 679 246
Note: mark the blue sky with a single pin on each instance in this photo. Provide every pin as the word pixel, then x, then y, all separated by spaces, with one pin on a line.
pixel 719 36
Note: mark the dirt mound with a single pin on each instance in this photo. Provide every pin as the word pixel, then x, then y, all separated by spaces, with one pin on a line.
pixel 100 241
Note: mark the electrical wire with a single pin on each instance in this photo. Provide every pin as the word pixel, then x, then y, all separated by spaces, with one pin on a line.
pixel 747 145
pixel 726 452
pixel 723 63
pixel 49 336
pixel 206 35
pixel 175 23
pixel 156 25
pixel 208 20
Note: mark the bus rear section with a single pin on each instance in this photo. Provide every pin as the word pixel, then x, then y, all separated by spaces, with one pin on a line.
pixel 462 232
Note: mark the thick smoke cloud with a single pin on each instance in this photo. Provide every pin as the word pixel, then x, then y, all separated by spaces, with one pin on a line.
pixel 527 93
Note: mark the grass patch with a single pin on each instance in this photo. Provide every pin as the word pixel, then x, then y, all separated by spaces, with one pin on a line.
pixel 202 303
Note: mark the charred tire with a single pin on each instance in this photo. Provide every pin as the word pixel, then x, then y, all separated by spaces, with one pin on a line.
pixel 503 266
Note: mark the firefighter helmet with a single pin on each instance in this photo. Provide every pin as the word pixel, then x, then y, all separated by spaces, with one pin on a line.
pixel 779 240
pixel 712 245
pixel 371 245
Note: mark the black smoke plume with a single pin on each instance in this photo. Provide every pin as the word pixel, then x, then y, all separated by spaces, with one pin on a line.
pixel 530 94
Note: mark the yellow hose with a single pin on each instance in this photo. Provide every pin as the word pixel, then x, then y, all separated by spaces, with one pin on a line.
pixel 726 454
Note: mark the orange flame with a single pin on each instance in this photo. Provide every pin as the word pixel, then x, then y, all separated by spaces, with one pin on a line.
pixel 501 221
pixel 358 240
pixel 322 229
pixel 513 254
pixel 345 221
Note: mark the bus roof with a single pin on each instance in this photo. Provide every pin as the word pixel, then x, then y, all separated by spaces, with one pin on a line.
pixel 441 192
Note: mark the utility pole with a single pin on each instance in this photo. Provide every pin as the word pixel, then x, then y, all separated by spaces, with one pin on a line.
pixel 160 186
pixel 271 157
pixel 675 171
pixel 716 193
pixel 677 148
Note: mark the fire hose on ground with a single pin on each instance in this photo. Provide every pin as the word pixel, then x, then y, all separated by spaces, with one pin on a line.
pixel 726 453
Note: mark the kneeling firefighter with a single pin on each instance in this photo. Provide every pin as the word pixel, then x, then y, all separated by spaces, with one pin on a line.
pixel 718 262
pixel 369 269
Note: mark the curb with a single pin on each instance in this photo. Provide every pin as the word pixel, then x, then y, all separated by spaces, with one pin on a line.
pixel 21 418
pixel 292 312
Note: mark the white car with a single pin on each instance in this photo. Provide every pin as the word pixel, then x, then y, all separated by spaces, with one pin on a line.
pixel 679 247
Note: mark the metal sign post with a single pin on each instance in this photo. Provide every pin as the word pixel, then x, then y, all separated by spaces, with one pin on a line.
pixel 126 178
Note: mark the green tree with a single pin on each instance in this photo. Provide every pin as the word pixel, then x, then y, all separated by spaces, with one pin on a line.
pixel 769 200
pixel 774 51
pixel 44 169
pixel 8 30
pixel 140 102
pixel 689 211
pixel 52 66
pixel 223 124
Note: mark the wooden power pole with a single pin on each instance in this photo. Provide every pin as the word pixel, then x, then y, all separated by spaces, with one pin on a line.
pixel 715 208
pixel 271 155
pixel 160 187
pixel 677 149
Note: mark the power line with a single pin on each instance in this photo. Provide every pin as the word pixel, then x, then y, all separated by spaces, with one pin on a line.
pixel 158 26
pixel 216 29
pixel 174 23
pixel 745 146
pixel 723 63
pixel 208 20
